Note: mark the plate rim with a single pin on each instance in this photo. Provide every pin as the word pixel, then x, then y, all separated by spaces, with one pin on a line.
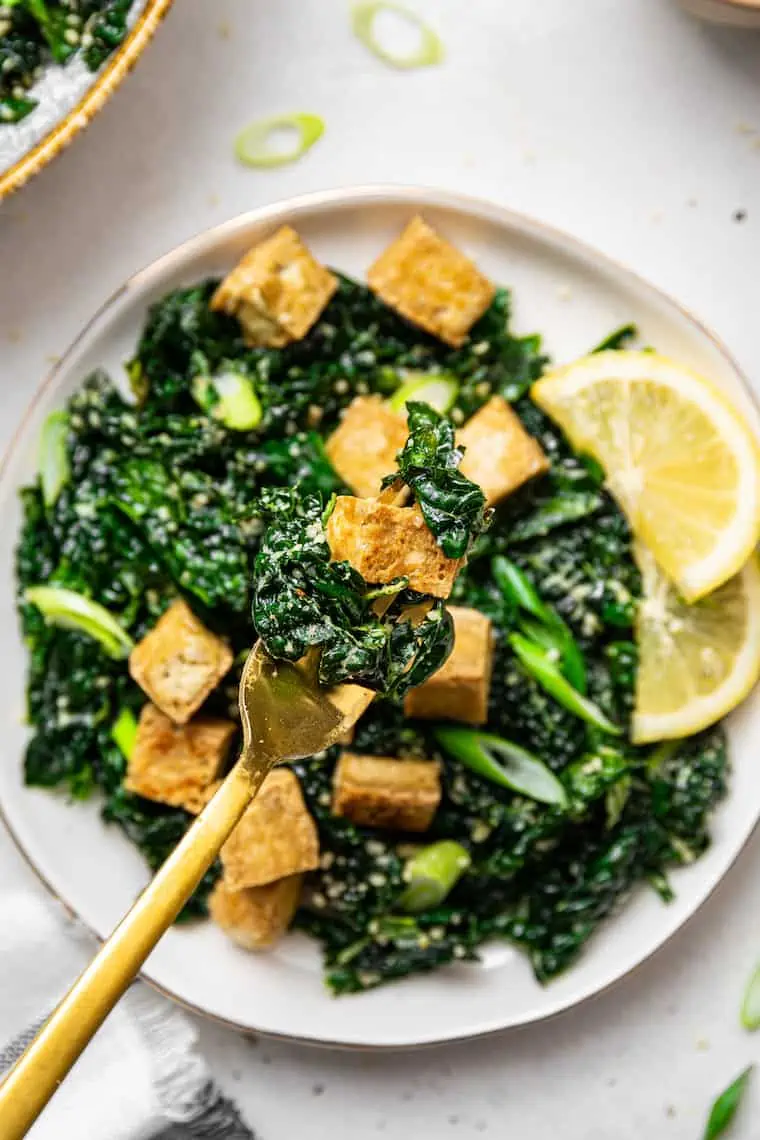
pixel 282 210
pixel 95 97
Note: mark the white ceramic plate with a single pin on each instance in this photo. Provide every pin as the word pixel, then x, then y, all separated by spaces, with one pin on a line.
pixel 572 295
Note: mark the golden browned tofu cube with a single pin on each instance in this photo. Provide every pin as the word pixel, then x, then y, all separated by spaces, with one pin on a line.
pixel 177 765
pixel 364 446
pixel 459 689
pixel 277 291
pixel 257 917
pixel 275 838
pixel 500 454
pixel 179 662
pixel 431 283
pixel 381 791
pixel 384 542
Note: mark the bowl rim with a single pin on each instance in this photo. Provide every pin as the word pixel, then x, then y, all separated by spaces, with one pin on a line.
pixel 413 196
pixel 81 114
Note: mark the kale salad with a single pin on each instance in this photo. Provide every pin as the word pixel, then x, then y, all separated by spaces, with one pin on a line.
pixel 35 34
pixel 491 790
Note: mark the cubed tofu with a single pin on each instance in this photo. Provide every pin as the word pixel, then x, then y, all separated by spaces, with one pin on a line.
pixel 459 689
pixel 500 454
pixel 384 542
pixel 275 838
pixel 382 791
pixel 431 283
pixel 177 765
pixel 179 662
pixel 364 446
pixel 257 917
pixel 277 291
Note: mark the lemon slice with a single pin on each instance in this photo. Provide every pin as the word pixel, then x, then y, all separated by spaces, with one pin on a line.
pixel 681 463
pixel 698 661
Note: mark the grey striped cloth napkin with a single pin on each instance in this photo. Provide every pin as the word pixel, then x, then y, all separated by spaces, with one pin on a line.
pixel 141 1077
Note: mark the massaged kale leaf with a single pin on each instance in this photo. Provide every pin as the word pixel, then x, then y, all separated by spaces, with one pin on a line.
pixel 452 505
pixel 303 601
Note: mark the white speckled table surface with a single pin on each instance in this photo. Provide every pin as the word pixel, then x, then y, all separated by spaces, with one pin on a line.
pixel 620 120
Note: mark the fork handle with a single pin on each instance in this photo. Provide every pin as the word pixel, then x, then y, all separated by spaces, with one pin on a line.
pixel 38 1072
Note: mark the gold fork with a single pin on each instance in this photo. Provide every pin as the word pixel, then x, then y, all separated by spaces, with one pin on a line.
pixel 285 716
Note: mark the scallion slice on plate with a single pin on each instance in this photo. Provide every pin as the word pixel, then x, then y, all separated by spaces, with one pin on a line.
pixel 437 389
pixel 501 762
pixel 70 610
pixel 124 732
pixel 230 398
pixel 53 457
pixel 432 873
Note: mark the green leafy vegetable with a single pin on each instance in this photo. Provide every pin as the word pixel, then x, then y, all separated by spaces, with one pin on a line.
pixel 74 611
pixel 452 505
pixel 726 1106
pixel 302 601
pixel 430 50
pixel 253 145
pixel 431 874
pixel 53 456
pixel 502 762
pixel 539 664
pixel 106 29
pixel 14 108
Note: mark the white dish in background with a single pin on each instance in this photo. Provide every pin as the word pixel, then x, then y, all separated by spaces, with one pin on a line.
pixel 574 296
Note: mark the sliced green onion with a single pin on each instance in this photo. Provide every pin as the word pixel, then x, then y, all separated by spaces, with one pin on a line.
pixel 329 507
pixel 230 398
pixel 725 1107
pixel 557 640
pixel 519 770
pixel 519 590
pixel 619 339
pixel 252 145
pixel 750 1012
pixel 429 51
pixel 557 635
pixel 432 873
pixel 70 610
pixel 615 800
pixel 53 457
pixel 437 389
pixel 124 732
pixel 660 755
pixel 139 384
pixel 539 665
